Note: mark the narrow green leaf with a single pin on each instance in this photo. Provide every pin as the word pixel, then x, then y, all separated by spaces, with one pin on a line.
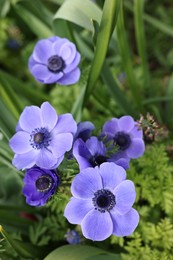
pixel 115 91
pixel 24 250
pixel 74 252
pixel 79 12
pixel 4 7
pixel 141 41
pixel 169 106
pixel 10 99
pixel 165 28
pixel 109 17
pixel 34 23
pixel 23 88
pixel 18 247
pixel 127 60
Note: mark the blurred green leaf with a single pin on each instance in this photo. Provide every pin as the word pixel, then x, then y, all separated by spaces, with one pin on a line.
pixel 141 42
pixel 165 28
pixel 108 21
pixel 77 252
pixel 24 250
pixel 79 12
pixel 37 26
pixel 4 7
pixel 127 59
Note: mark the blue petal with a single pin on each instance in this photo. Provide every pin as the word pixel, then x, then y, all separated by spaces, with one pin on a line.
pixel 43 51
pixel 125 195
pixel 95 146
pixel 86 183
pixel 76 210
pixel 81 154
pixel 65 124
pixel 70 78
pixel 26 160
pixel 30 118
pixel 48 116
pixel 126 123
pixel 136 148
pixel 112 175
pixel 97 226
pixel 124 225
pixel 20 143
pixel 46 159
pixel 61 143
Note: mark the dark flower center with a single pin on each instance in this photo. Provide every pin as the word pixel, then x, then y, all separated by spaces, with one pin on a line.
pixel 40 138
pixel 104 200
pixel 97 160
pixel 43 183
pixel 122 140
pixel 55 64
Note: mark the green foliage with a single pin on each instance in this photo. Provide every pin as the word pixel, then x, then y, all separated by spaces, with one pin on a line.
pixel 153 177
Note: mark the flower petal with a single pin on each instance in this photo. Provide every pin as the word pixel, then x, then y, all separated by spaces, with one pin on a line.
pixel 65 124
pixel 61 143
pixel 95 146
pixel 26 160
pixel 112 175
pixel 20 143
pixel 43 51
pixel 46 159
pixel 124 225
pixel 70 78
pixel 31 62
pixel 86 183
pixel 126 123
pixel 97 226
pixel 81 154
pixel 125 195
pixel 58 44
pixel 123 162
pixel 111 127
pixel 136 132
pixel 136 148
pixel 73 65
pixel 76 210
pixel 48 115
pixel 30 119
pixel 41 73
pixel 84 130
pixel 54 77
pixel 68 52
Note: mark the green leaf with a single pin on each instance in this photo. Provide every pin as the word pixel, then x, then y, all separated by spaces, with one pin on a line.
pixel 36 25
pixel 18 246
pixel 127 60
pixel 79 12
pixel 165 28
pixel 5 7
pixel 109 17
pixel 75 252
pixel 141 42
pixel 114 88
pixel 27 90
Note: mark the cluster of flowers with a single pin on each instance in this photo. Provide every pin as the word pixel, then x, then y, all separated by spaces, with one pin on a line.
pixel 102 198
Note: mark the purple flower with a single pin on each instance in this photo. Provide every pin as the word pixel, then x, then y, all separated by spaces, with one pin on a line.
pixel 126 135
pixel 93 153
pixel 40 185
pixel 55 60
pixel 102 202
pixel 42 137
pixel 84 130
pixel 73 237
